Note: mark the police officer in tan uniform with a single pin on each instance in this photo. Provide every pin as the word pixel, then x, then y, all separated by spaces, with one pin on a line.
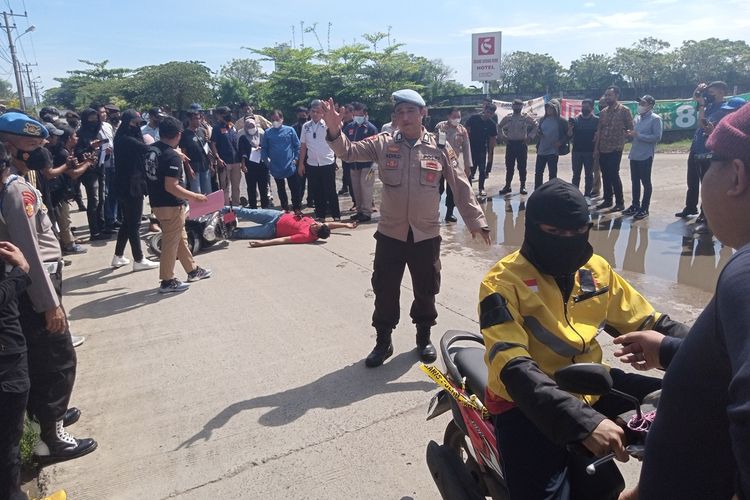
pixel 52 360
pixel 411 163
pixel 457 136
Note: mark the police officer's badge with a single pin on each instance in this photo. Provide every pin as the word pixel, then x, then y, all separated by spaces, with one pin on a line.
pixel 29 203
pixel 32 129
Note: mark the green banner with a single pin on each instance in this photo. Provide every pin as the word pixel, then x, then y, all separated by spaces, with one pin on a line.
pixel 678 114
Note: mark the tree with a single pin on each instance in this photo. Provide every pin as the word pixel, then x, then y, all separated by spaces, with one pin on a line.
pixel 96 83
pixel 593 71
pixel 6 90
pixel 529 72
pixel 174 85
pixel 247 71
pixel 231 92
pixel 645 64
pixel 712 59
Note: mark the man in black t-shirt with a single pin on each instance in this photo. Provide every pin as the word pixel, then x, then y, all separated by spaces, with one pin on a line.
pixel 482 137
pixel 583 131
pixel 168 196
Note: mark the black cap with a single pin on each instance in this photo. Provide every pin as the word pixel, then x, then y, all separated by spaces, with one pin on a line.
pixel 53 130
pixel 557 203
pixel 647 99
pixel 517 101
pixel 156 111
pixel 719 84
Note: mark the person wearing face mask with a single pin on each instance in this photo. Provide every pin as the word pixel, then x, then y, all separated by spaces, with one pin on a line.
pixel 256 171
pixel 457 136
pixel 89 141
pixel 52 359
pixel 517 130
pixel 224 147
pixel 647 130
pixel 541 309
pixel 583 129
pixel 363 179
pixel 482 137
pixel 130 187
pixel 279 148
pixel 302 116
pixel 195 145
pixel 709 99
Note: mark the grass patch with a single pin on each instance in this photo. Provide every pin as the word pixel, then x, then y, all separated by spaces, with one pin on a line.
pixel 29 439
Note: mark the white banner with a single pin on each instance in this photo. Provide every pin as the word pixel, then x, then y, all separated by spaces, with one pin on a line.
pixel 532 107
pixel 485 56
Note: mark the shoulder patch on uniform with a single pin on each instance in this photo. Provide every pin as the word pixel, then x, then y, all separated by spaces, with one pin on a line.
pixel 29 203
pixel 493 310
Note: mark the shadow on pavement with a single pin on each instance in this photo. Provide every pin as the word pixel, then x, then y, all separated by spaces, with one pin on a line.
pixel 119 303
pixel 335 390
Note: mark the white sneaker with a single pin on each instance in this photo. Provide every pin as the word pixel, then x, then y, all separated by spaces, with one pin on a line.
pixel 77 340
pixel 120 261
pixel 144 264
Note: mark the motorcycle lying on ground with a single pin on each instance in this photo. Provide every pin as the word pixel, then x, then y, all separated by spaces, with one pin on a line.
pixel 468 465
pixel 202 232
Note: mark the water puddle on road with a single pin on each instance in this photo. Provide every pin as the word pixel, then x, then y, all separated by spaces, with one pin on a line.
pixel 674 252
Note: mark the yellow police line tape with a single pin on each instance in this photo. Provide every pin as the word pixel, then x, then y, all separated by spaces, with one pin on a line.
pixel 439 378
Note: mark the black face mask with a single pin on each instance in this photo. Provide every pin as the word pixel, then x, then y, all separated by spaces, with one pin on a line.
pixel 585 112
pixel 709 99
pixel 92 126
pixel 556 255
pixel 37 159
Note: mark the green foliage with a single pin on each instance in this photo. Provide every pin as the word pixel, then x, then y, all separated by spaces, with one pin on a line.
pixel 530 72
pixel 95 83
pixel 592 71
pixel 28 441
pixel 6 90
pixel 173 85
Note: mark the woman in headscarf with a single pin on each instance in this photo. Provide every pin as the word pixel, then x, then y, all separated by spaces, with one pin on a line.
pixel 130 188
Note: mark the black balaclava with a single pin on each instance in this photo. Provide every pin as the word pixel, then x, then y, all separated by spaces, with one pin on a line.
pixel 559 204
pixel 89 130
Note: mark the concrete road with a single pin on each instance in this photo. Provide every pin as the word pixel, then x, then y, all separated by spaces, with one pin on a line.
pixel 251 384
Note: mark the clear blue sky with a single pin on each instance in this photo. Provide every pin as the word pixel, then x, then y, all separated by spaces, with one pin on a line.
pixel 133 33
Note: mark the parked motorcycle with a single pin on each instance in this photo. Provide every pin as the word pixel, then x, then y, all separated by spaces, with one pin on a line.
pixel 203 232
pixel 468 465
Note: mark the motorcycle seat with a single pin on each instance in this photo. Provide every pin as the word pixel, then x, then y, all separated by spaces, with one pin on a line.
pixel 470 362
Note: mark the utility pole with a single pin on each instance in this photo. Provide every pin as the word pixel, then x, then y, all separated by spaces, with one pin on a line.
pixel 14 61
pixel 28 79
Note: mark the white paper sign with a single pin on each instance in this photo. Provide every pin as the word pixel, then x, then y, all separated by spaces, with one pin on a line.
pixel 255 155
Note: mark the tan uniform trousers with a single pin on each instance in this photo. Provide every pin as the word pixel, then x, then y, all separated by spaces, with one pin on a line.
pixel 63 223
pixel 174 244
pixel 230 178
pixel 362 183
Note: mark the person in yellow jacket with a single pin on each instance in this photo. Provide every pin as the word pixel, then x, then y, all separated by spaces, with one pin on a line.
pixel 541 309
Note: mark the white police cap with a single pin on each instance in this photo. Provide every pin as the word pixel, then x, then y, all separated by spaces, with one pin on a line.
pixel 408 96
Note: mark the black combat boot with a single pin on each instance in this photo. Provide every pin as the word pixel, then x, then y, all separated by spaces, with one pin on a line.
pixel 383 349
pixel 426 350
pixel 56 445
pixel 71 416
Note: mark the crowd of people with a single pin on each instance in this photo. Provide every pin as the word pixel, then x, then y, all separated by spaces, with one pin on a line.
pixel 596 143
pixel 120 157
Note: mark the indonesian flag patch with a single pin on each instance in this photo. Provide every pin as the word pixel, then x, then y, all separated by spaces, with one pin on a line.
pixel 532 285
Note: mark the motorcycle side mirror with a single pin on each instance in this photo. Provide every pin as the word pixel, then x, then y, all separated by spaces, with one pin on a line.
pixel 591 379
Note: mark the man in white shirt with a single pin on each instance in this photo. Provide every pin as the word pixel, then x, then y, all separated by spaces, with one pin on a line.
pixel 318 161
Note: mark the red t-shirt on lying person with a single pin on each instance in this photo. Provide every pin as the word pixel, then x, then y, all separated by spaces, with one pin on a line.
pixel 298 229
